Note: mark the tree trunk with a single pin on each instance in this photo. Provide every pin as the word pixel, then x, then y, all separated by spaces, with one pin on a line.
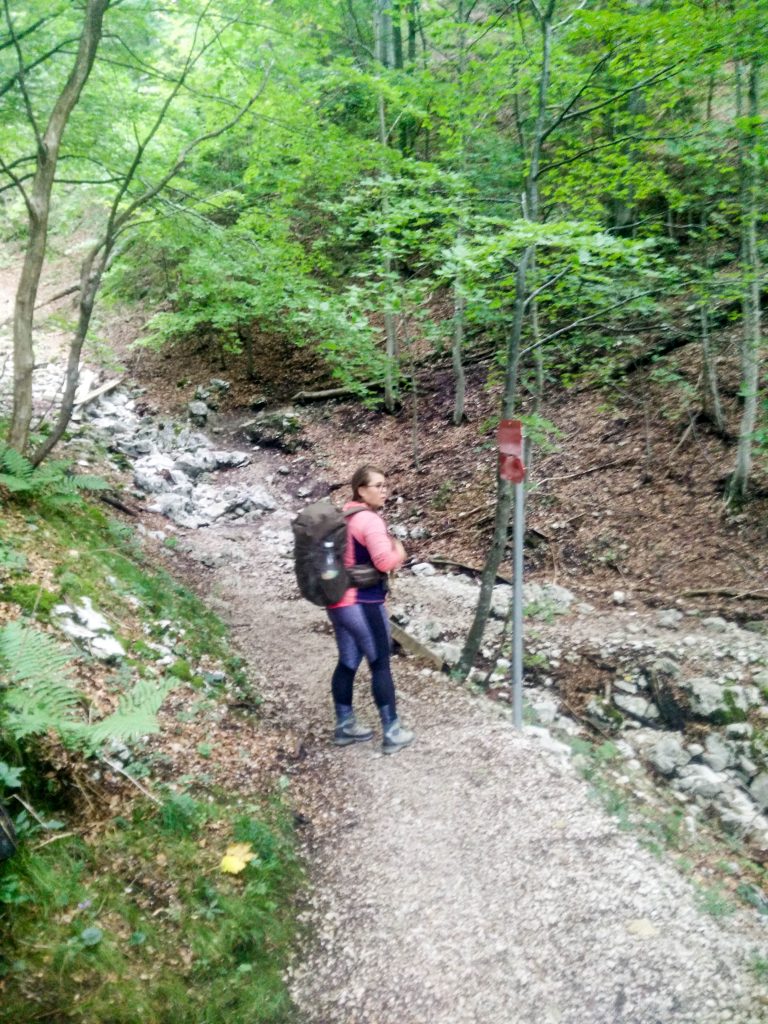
pixel 38 204
pixel 382 28
pixel 710 388
pixel 751 337
pixel 504 489
pixel 90 279
pixel 459 300
pixel 459 376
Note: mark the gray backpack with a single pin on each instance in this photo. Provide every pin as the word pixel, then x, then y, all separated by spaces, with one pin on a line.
pixel 320 539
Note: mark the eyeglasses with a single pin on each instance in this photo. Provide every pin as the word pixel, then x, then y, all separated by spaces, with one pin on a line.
pixel 379 487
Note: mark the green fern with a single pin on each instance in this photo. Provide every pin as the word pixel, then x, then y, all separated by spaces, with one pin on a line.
pixel 53 483
pixel 27 654
pixel 14 463
pixel 38 695
pixel 136 715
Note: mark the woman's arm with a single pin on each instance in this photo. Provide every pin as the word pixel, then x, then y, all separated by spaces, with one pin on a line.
pixel 385 552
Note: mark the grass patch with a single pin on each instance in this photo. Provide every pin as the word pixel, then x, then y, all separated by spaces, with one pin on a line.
pixel 142 925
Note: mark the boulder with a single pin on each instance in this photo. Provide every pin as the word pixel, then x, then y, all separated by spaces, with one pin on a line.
pixel 193 463
pixel 637 707
pixel 668 754
pixel 280 428
pixel 709 698
pixel 758 790
pixel 718 754
pixel 198 413
pixel 669 618
pixel 106 648
pixel 700 781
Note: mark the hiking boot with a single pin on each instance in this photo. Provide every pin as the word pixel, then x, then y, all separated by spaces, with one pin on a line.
pixel 395 737
pixel 348 730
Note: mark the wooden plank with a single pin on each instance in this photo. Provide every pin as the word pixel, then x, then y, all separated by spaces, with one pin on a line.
pixel 109 386
pixel 415 647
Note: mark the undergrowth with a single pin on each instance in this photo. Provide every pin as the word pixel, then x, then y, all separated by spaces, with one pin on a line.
pixel 123 915
pixel 140 924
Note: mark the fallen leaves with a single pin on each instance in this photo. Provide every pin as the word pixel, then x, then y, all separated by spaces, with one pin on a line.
pixel 237 858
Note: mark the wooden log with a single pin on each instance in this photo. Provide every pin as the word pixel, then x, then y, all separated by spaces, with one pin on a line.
pixel 102 390
pixel 321 396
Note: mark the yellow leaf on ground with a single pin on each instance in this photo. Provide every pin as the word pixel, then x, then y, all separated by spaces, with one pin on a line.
pixel 237 858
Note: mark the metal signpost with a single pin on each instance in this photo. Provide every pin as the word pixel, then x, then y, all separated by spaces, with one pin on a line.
pixel 511 467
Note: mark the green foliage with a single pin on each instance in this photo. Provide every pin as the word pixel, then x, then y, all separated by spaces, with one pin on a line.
pixel 85 918
pixel 715 901
pixel 51 485
pixel 31 598
pixel 10 777
pixel 39 695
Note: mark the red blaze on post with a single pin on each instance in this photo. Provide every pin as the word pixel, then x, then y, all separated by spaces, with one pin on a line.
pixel 510 439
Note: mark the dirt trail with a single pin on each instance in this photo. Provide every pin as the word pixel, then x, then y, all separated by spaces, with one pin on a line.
pixel 469 878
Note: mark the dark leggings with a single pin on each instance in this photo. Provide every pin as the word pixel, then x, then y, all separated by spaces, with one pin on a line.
pixel 362 631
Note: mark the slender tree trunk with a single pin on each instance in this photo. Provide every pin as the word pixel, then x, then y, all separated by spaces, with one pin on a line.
pixel 382 28
pixel 710 397
pixel 38 204
pixel 91 273
pixel 459 300
pixel 459 376
pixel 504 489
pixel 751 338
pixel 712 404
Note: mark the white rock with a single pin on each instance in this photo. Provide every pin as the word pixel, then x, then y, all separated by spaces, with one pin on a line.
pixel 107 648
pixel 87 616
pixel 638 707
pixel 668 754
pixel 698 780
pixel 423 569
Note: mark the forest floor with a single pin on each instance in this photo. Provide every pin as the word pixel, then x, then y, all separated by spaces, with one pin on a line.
pixel 473 877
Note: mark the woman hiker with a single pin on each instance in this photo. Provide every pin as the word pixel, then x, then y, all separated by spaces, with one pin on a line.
pixel 360 620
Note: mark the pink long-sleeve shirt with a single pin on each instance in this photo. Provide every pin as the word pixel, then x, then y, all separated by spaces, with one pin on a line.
pixel 369 529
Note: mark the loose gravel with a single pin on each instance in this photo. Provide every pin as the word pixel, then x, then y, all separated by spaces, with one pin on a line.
pixel 472 877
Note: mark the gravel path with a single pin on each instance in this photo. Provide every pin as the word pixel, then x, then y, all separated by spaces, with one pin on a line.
pixel 470 878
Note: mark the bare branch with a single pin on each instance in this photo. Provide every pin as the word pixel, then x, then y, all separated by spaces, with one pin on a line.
pixel 4 43
pixel 580 91
pixel 586 319
pixel 9 83
pixel 151 192
pixel 17 183
pixel 668 72
pixel 20 75
pixel 570 17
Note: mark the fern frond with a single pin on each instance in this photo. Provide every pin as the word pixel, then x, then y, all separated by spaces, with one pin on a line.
pixel 90 482
pixel 15 463
pixel 61 500
pixel 26 653
pixel 39 692
pixel 136 714
pixel 15 483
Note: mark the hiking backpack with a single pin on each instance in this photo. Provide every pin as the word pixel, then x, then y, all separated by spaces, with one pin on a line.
pixel 320 540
